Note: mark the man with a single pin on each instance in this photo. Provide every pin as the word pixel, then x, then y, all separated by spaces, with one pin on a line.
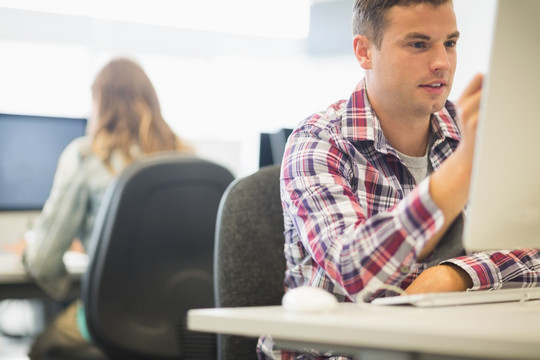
pixel 374 188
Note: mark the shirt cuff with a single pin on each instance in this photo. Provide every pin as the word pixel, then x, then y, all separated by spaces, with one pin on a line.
pixel 57 288
pixel 483 272
pixel 423 218
pixel 427 201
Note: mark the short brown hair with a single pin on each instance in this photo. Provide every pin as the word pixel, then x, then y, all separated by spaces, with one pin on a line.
pixel 369 16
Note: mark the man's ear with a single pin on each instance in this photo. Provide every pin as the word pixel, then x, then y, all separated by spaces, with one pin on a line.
pixel 362 51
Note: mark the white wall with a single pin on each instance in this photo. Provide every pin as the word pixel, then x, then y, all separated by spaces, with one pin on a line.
pixel 219 91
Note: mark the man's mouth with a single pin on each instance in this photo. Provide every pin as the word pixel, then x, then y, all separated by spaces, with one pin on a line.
pixel 434 88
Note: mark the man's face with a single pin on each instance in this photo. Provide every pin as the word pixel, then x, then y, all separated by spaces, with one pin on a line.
pixel 411 73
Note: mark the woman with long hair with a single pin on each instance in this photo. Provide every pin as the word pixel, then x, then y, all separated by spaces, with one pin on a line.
pixel 126 124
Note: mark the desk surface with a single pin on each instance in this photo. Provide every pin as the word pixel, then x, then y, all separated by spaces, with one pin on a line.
pixel 494 331
pixel 16 283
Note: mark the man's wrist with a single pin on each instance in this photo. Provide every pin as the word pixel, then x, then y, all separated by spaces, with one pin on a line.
pixel 459 276
pixel 441 278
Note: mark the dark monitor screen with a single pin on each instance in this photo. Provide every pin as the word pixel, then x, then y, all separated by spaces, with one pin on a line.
pixel 29 150
pixel 272 146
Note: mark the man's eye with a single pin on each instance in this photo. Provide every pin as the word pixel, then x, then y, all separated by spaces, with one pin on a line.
pixel 450 44
pixel 419 45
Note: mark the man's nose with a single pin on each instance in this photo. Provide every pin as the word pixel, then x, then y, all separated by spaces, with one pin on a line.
pixel 440 60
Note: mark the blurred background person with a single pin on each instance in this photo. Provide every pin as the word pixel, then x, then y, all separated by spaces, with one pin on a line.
pixel 126 124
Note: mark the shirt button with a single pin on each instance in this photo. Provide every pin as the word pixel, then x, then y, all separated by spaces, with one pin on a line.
pixel 404 269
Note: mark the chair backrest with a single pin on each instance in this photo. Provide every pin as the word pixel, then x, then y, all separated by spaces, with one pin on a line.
pixel 151 259
pixel 249 261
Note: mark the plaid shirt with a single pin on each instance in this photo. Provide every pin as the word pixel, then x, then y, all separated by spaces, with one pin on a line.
pixel 355 219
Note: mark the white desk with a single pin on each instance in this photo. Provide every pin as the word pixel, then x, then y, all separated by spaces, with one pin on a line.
pixel 16 283
pixel 495 331
pixel 13 224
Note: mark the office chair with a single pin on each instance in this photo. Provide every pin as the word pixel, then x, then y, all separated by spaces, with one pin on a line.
pixel 249 264
pixel 151 259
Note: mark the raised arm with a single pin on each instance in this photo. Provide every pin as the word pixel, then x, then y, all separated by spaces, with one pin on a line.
pixel 353 219
pixel 449 188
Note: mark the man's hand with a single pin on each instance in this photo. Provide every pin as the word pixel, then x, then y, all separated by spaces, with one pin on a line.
pixel 441 278
pixel 449 185
pixel 468 107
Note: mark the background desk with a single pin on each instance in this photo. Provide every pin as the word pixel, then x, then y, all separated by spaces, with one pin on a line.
pixel 15 283
pixel 493 331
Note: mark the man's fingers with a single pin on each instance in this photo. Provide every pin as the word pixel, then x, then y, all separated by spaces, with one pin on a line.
pixel 474 86
pixel 469 106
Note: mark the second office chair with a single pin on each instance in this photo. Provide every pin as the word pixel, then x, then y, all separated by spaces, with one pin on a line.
pixel 151 259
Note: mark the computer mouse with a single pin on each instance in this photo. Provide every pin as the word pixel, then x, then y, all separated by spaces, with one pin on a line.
pixel 308 299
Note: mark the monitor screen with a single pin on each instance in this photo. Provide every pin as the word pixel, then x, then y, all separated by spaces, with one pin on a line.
pixel 29 150
pixel 504 198
pixel 272 146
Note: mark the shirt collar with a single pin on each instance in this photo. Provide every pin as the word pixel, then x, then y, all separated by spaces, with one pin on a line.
pixel 361 123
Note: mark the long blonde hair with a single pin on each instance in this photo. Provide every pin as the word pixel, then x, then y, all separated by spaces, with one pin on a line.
pixel 128 114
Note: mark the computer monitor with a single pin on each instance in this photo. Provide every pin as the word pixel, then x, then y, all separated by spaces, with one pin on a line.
pixel 505 188
pixel 29 150
pixel 272 146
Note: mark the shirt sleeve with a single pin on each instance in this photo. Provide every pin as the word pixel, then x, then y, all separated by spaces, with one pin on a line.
pixel 362 253
pixel 57 226
pixel 501 269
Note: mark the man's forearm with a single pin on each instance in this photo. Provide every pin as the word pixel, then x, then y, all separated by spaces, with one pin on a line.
pixel 449 189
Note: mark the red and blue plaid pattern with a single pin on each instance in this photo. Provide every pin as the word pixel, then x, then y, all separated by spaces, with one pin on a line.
pixel 355 219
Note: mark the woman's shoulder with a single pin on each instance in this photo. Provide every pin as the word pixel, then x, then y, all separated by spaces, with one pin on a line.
pixel 76 152
pixel 80 145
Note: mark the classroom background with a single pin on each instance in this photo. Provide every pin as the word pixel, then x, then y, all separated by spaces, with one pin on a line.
pixel 225 71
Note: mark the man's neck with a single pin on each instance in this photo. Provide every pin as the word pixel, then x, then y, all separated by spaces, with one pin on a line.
pixel 408 136
pixel 407 133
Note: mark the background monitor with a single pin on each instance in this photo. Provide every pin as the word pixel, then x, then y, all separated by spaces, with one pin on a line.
pixel 29 150
pixel 272 147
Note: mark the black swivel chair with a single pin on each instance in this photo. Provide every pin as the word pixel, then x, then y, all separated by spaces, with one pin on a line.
pixel 249 263
pixel 152 259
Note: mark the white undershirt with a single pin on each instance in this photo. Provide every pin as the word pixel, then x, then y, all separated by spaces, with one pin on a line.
pixel 419 166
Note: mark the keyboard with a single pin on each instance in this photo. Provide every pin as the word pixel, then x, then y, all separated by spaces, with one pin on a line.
pixel 462 297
